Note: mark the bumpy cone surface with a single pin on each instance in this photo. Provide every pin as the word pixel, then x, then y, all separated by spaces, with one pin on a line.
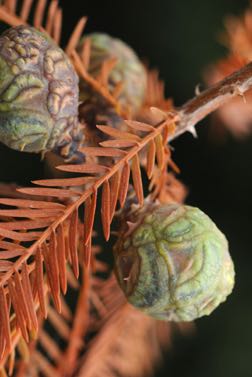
pixel 128 69
pixel 38 91
pixel 173 262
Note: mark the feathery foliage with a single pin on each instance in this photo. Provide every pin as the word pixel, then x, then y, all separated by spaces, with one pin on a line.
pixel 45 247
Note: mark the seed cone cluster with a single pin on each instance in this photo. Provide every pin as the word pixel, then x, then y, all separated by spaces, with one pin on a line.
pixel 171 261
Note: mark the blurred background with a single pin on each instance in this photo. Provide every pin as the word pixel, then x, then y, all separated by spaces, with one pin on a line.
pixel 180 38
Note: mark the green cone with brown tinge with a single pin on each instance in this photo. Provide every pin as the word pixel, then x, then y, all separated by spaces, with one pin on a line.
pixel 128 69
pixel 173 262
pixel 38 91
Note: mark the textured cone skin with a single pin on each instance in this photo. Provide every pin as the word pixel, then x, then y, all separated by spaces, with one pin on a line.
pixel 38 91
pixel 173 263
pixel 128 69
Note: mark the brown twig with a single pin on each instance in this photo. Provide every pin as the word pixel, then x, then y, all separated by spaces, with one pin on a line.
pixel 211 99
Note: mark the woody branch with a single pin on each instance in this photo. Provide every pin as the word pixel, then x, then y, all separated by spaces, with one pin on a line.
pixel 212 98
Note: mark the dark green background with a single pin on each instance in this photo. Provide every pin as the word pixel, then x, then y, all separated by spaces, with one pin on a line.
pixel 180 38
